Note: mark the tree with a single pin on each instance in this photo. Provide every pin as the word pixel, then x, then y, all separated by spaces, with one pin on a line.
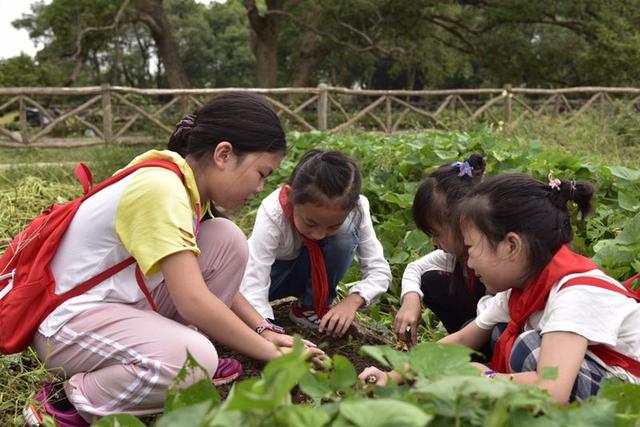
pixel 73 31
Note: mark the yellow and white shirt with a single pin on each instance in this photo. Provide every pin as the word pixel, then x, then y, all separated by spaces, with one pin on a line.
pixel 149 215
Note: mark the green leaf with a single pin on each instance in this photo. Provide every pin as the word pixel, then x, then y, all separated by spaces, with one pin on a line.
pixel 179 397
pixel 629 201
pixel 386 356
pixel 315 385
pixel 301 416
pixel 549 373
pixel 185 417
pixel 433 360
pixel 119 420
pixel 398 257
pixel 415 239
pixel 278 378
pixel 625 173
pixel 383 412
pixel 344 374
pixel 627 399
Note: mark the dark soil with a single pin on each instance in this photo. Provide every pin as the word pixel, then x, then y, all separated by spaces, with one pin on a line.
pixel 347 346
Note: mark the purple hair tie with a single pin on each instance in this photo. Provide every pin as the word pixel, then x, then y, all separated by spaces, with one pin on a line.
pixel 464 168
pixel 184 126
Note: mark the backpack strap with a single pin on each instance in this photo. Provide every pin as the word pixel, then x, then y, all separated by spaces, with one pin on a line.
pixel 599 283
pixel 86 179
pixel 143 287
pixel 607 354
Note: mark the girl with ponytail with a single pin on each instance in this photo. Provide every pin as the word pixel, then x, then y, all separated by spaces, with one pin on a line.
pixel 440 279
pixel 121 343
pixel 562 313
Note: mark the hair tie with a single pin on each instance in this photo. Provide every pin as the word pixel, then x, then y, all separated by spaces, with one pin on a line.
pixel 464 168
pixel 184 126
pixel 573 189
pixel 554 183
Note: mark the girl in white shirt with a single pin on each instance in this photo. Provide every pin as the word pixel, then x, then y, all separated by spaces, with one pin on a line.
pixel 304 239
pixel 440 279
pixel 562 311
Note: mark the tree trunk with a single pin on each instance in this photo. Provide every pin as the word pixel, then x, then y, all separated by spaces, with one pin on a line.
pixel 264 41
pixel 152 13
pixel 312 50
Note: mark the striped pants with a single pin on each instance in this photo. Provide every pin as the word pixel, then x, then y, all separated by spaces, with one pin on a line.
pixel 524 358
pixel 122 358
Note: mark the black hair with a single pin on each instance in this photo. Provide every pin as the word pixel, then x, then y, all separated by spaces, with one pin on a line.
pixel 530 208
pixel 245 120
pixel 439 194
pixel 323 177
pixel 436 200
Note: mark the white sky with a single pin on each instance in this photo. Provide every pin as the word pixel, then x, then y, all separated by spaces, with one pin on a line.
pixel 13 41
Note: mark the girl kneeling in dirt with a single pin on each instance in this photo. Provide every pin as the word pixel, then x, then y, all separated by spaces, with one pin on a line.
pixel 304 239
pixel 118 354
pixel 440 279
pixel 561 310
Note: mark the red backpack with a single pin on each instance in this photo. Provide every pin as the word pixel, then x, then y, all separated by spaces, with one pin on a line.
pixel 27 285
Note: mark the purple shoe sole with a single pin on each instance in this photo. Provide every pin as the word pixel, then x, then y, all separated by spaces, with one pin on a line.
pixel 228 371
pixel 64 418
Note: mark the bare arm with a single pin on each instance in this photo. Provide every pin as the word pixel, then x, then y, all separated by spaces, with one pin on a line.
pixel 471 336
pixel 562 350
pixel 199 306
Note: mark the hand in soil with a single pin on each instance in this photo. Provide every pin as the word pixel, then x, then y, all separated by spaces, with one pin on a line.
pixel 314 354
pixel 408 315
pixel 284 340
pixel 337 320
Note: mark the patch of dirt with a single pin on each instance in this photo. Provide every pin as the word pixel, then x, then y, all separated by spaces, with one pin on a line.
pixel 347 346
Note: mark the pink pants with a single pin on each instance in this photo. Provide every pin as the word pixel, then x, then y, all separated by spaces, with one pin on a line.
pixel 122 358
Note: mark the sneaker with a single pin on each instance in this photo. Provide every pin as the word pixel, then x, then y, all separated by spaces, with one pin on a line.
pixel 304 316
pixel 54 402
pixel 228 371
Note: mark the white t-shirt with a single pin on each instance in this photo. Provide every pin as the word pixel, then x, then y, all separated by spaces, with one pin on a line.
pixel 149 215
pixel 437 260
pixel 273 238
pixel 599 315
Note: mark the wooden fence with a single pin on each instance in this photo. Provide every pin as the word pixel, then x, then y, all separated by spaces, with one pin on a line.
pixel 112 114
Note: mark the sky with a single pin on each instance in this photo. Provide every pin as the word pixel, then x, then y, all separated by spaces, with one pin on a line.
pixel 13 41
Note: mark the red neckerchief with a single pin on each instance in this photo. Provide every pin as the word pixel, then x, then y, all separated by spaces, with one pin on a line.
pixel 319 281
pixel 524 302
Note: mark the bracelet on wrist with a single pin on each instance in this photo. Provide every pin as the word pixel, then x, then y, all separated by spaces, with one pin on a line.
pixel 490 374
pixel 266 325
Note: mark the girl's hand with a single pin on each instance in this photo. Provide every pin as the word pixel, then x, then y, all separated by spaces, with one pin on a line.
pixel 408 315
pixel 316 355
pixel 337 320
pixel 283 340
pixel 373 375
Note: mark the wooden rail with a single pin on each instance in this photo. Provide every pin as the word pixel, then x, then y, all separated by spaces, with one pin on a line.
pixel 43 116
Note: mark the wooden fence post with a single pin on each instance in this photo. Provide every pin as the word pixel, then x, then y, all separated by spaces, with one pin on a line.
pixel 323 106
pixel 24 135
pixel 388 113
pixel 507 104
pixel 107 114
